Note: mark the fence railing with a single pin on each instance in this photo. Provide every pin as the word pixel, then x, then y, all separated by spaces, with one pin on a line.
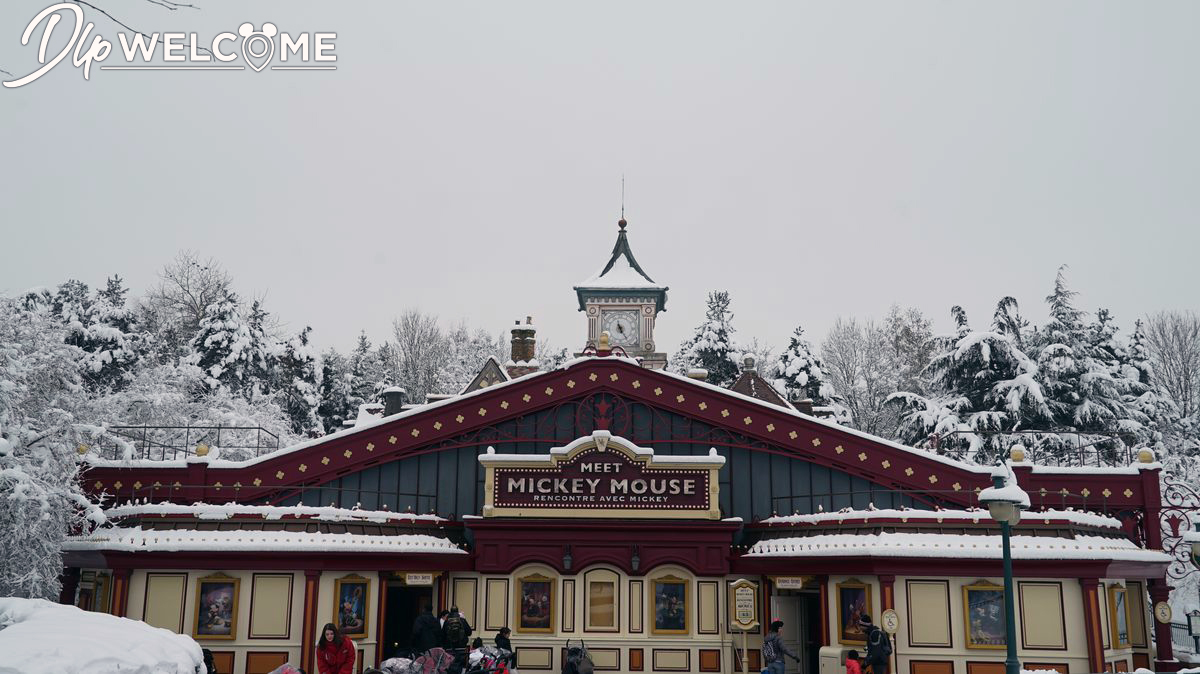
pixel 169 443
pixel 1182 640
pixel 1046 448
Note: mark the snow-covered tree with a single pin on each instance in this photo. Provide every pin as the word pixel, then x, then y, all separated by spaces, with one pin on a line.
pixel 221 347
pixel 296 384
pixel 909 336
pixel 984 386
pixel 42 502
pixel 712 347
pixel 364 370
pixel 803 373
pixel 337 398
pixel 1079 386
pixel 106 333
pixel 857 362
pixel 260 353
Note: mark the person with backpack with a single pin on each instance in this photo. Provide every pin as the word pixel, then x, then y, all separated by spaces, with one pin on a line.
pixel 879 646
pixel 773 650
pixel 456 633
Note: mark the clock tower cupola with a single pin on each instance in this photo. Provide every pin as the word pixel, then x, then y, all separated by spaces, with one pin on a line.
pixel 622 300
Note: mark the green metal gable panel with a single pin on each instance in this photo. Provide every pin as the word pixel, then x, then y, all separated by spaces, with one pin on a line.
pixel 758 479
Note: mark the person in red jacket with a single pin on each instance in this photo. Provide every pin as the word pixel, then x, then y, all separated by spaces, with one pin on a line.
pixel 335 653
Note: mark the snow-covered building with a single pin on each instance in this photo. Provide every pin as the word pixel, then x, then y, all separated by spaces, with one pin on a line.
pixel 612 501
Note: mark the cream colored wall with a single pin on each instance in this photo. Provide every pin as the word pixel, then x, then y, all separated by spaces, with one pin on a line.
pixel 243 643
pixel 1074 655
pixel 325 610
pixel 605 643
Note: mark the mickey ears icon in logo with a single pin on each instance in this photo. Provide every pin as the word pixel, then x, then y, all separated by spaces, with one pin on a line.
pixel 262 40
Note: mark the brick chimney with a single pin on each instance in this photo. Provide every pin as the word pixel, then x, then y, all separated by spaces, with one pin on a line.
pixel 394 399
pixel 524 346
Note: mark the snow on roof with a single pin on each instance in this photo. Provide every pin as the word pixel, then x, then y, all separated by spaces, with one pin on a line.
pixel 209 511
pixel 956 546
pixel 41 637
pixel 577 362
pixel 622 275
pixel 975 515
pixel 135 539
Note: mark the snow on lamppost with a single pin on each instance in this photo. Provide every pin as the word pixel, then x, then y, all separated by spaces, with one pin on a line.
pixel 1005 500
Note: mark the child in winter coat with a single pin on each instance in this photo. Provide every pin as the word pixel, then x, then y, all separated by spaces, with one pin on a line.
pixel 335 653
pixel 853 666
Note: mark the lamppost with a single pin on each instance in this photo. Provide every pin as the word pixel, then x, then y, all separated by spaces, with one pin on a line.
pixel 1005 501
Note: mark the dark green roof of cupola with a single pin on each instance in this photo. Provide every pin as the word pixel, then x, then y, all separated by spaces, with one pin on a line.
pixel 622 274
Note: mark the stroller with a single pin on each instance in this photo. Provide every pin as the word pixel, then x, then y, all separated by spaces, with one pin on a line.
pixel 433 661
pixel 579 661
pixel 489 660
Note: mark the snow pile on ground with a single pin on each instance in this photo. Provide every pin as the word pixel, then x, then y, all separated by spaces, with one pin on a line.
pixel 41 637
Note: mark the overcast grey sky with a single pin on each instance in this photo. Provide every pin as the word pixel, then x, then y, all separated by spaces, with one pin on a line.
pixel 815 159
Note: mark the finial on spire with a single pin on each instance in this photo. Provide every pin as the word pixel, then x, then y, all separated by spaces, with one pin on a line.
pixel 621 223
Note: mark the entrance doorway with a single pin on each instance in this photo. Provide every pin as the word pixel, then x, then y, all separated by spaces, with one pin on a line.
pixel 404 604
pixel 800 611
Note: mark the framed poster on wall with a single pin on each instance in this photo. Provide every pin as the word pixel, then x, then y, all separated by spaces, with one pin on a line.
pixel 854 601
pixel 535 604
pixel 350 605
pixel 216 607
pixel 983 615
pixel 670 605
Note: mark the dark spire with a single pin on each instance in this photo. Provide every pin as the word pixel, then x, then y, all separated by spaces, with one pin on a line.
pixel 622 248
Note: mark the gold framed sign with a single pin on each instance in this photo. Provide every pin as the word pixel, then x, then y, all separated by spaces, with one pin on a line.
pixel 983 614
pixel 535 604
pixel 601 475
pixel 216 607
pixel 745 605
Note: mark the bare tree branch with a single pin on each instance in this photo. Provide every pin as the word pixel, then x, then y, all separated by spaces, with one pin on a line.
pixel 168 4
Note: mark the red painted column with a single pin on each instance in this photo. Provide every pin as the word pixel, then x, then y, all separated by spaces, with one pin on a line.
pixel 308 636
pixel 1092 624
pixel 1164 657
pixel 379 631
pixel 120 592
pixel 887 588
pixel 824 584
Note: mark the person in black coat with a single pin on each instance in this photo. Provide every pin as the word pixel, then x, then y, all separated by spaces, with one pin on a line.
pixel 503 641
pixel 427 633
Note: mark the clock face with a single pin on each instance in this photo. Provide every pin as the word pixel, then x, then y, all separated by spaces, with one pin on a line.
pixel 622 327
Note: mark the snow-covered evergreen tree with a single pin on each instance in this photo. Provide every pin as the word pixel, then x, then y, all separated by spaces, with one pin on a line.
pixel 984 386
pixel 260 353
pixel 364 371
pixel 221 347
pixel 296 384
pixel 337 401
pixel 106 333
pixel 712 346
pixel 1080 372
pixel 802 372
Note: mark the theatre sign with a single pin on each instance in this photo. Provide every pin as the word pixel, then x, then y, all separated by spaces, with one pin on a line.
pixel 601 475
